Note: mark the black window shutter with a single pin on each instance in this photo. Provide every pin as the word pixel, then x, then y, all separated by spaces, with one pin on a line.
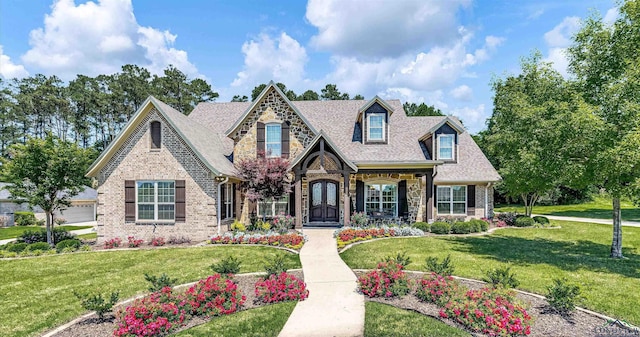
pixel 471 199
pixel 435 196
pixel 285 140
pixel 292 203
pixel 181 211
pixel 359 196
pixel 260 138
pixel 403 207
pixel 129 200
pixel 156 134
pixel 233 202
pixel 223 206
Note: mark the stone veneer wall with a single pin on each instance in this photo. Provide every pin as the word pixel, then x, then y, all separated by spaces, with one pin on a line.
pixel 414 190
pixel 272 108
pixel 174 161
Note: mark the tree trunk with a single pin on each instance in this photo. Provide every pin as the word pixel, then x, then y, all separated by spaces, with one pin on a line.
pixel 616 244
pixel 49 232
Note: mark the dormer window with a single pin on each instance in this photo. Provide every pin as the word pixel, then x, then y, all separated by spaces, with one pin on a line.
pixel 445 147
pixel 376 126
pixel 156 135
pixel 273 140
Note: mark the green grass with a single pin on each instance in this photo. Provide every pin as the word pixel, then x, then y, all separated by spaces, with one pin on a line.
pixel 599 208
pixel 264 321
pixel 578 251
pixel 386 320
pixel 88 236
pixel 15 231
pixel 36 293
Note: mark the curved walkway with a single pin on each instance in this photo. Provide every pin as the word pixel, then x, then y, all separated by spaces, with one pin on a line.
pixel 334 308
pixel 591 220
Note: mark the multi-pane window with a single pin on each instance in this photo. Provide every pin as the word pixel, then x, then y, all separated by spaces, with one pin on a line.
pixel 156 200
pixel 274 207
pixel 273 141
pixel 452 199
pixel 445 147
pixel 381 199
pixel 376 126
pixel 228 200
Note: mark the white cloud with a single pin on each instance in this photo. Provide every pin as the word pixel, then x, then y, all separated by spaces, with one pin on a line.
pixel 10 70
pixel 462 93
pixel 558 39
pixel 382 29
pixel 99 37
pixel 279 58
pixel 473 118
pixel 611 16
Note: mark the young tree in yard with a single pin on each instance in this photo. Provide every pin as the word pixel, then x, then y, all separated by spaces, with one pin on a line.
pixel 264 178
pixel 46 173
pixel 536 116
pixel 605 59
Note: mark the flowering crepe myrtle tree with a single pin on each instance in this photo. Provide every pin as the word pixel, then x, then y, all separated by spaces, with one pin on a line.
pixel 264 178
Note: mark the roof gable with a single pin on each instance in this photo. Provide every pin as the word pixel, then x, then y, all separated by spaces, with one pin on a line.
pixel 452 122
pixel 370 103
pixel 256 102
pixel 333 147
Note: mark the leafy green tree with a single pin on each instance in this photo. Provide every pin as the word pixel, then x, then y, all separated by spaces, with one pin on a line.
pixel 258 89
pixel 421 109
pixel 308 95
pixel 605 60
pixel 530 135
pixel 238 98
pixel 8 122
pixel 358 97
pixel 331 93
pixel 175 89
pixel 46 173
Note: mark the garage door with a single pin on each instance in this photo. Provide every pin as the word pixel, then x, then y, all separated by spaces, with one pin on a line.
pixel 78 213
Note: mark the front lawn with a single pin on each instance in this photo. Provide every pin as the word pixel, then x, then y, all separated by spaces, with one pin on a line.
pixel 15 231
pixel 599 208
pixel 386 320
pixel 36 293
pixel 264 321
pixel 578 251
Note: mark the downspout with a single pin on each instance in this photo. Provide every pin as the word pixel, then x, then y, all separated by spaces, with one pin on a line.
pixel 434 202
pixel 220 182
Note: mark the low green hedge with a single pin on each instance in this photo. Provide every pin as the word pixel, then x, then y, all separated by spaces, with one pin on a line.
pixel 462 227
pixel 524 221
pixel 440 227
pixel 425 227
pixel 25 218
pixel 543 220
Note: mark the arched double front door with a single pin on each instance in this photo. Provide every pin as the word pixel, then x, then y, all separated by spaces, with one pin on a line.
pixel 323 201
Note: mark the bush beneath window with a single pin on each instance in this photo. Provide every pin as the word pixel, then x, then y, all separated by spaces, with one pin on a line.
pixel 359 219
pixel 524 221
pixel 440 227
pixel 422 226
pixel 479 225
pixel 462 227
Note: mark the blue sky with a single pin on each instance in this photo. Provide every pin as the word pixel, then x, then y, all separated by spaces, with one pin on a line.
pixel 442 52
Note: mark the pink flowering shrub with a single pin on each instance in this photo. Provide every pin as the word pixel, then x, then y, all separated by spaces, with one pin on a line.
pixel 291 240
pixel 437 289
pixel 282 287
pixel 113 243
pixel 351 235
pixel 157 314
pixel 491 311
pixel 500 223
pixel 387 280
pixel 159 241
pixel 133 242
pixel 213 296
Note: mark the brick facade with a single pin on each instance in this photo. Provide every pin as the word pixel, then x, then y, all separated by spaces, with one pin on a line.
pixel 135 160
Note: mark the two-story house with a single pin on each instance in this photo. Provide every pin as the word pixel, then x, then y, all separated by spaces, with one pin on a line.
pixel 167 174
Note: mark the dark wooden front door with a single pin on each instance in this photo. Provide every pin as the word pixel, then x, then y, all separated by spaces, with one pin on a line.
pixel 324 201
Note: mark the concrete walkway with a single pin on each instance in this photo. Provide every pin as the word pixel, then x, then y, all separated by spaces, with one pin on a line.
pixel 334 308
pixel 76 232
pixel 599 221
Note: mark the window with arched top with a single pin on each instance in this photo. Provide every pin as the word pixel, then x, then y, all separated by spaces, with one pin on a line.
pixel 156 135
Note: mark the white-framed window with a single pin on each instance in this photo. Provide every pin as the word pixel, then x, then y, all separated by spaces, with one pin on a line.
pixel 445 146
pixel 452 199
pixel 381 199
pixel 273 140
pixel 156 200
pixel 273 207
pixel 228 200
pixel 375 126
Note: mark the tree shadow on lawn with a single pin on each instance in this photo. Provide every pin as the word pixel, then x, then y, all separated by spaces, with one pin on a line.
pixel 566 255
pixel 599 213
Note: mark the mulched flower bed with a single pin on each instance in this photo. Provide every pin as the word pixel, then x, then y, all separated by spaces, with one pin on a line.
pixel 92 326
pixel 545 322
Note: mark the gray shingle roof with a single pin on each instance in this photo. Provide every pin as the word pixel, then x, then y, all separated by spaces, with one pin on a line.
pixel 337 120
pixel 87 194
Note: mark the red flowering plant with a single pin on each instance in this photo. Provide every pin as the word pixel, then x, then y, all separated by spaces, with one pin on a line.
pixel 158 314
pixel 492 311
pixel 133 242
pixel 282 287
pixel 351 235
pixel 159 241
pixel 213 296
pixel 387 280
pixel 291 240
pixel 437 289
pixel 113 243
